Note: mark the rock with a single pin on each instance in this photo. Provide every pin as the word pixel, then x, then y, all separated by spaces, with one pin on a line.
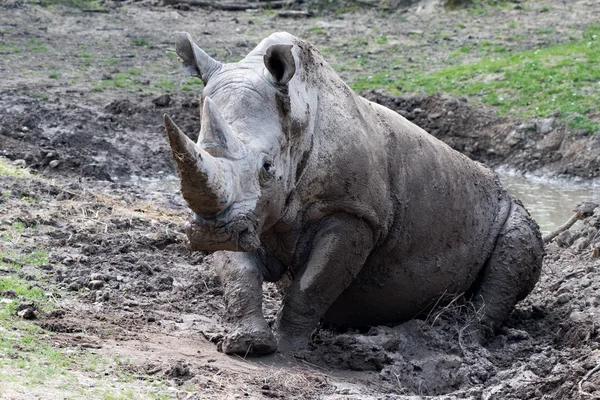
pixel 97 277
pixel 102 296
pixel 544 125
pixel 563 298
pixel 9 294
pixel 74 286
pixel 551 142
pixel 95 285
pixel 28 313
pixel 162 101
pixel 517 335
pixel 417 111
pixel 19 163
pixel 513 138
pixel 54 163
pixel 164 282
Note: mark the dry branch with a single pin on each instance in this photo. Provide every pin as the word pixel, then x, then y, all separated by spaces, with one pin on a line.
pixel 585 378
pixel 582 211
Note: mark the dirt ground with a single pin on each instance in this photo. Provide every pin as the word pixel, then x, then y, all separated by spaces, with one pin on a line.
pixel 81 102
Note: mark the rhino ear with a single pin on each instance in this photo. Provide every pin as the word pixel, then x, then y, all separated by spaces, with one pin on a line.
pixel 279 61
pixel 195 61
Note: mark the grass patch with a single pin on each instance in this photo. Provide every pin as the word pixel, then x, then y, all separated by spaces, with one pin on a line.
pixel 317 30
pixel 36 45
pixel 9 170
pixel 141 42
pixel 534 83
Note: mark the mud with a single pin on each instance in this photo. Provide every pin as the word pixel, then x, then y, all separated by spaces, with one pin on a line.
pixel 129 285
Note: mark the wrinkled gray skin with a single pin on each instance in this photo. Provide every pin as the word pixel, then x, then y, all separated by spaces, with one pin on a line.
pixel 373 219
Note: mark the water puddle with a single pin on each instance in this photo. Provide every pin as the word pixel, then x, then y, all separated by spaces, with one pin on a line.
pixel 549 201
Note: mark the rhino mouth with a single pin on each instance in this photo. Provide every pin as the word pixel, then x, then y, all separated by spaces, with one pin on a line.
pixel 239 233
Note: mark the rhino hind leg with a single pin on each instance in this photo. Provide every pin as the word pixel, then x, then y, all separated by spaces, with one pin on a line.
pixel 242 279
pixel 512 270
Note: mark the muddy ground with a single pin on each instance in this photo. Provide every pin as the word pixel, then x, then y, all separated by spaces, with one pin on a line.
pixel 81 102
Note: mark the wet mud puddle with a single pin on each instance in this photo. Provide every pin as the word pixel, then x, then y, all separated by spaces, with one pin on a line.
pixel 550 201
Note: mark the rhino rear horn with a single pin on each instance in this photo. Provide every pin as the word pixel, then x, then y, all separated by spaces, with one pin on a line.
pixel 195 61
pixel 205 186
pixel 216 135
pixel 279 61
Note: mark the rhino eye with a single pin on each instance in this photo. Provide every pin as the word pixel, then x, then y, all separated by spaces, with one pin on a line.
pixel 267 172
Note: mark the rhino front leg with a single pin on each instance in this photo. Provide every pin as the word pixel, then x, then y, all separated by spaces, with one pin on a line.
pixel 339 251
pixel 242 276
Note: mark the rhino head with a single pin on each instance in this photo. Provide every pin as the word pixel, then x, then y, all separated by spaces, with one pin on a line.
pixel 237 176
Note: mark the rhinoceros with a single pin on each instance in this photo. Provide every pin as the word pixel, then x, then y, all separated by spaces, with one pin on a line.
pixel 372 219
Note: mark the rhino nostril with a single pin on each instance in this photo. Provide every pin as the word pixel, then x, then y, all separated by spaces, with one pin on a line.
pixel 267 166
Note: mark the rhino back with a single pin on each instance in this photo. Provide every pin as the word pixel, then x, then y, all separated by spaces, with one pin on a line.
pixel 437 216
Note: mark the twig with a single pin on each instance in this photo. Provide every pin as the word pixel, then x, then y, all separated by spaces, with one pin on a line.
pixel 585 378
pixel 583 210
pixel 576 217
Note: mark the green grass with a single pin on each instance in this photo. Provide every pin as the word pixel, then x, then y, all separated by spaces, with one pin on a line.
pixel 54 75
pixel 534 83
pixel 141 42
pixel 16 172
pixel 36 45
pixel 317 30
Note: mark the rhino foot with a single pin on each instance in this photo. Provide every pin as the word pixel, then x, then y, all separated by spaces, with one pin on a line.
pixel 249 342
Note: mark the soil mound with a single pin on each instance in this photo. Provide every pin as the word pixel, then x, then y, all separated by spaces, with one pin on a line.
pixel 539 146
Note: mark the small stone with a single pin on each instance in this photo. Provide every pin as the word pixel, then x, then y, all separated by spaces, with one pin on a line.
pixel 97 277
pixel 517 335
pixel 95 285
pixel 162 101
pixel 27 313
pixel 434 115
pixel 24 129
pixel 417 111
pixel 102 296
pixel 450 113
pixel 544 125
pixel 54 163
pixel 563 298
pixel 9 294
pixel 19 163
pixel 74 286
pixel 404 113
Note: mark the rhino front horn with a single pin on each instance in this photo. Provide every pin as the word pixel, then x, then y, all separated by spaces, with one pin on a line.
pixel 204 184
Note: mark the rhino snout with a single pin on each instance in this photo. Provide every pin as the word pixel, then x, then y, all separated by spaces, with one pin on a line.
pixel 239 234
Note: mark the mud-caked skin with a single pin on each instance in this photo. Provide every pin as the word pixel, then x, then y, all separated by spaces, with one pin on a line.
pixel 374 219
